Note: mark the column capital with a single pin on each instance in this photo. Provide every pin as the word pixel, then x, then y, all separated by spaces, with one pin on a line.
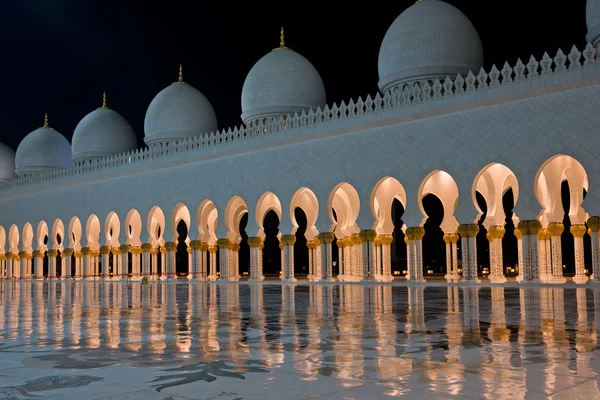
pixel 124 248
pixel 341 243
pixel 518 234
pixel 115 251
pixel 189 250
pixel 78 254
pixel 23 254
pixel 234 247
pixel 377 241
pixel 386 239
pixel 355 238
pixel 468 230
pixel 406 239
pixel 415 233
pixel 530 227
pixel 578 230
pixel 316 242
pixel 556 228
pixel 146 247
pixel 223 243
pixel 8 255
pixel 288 240
pixel 327 237
pixel 136 250
pixel 447 238
pixel 104 249
pixel 281 245
pixel 496 232
pixel 454 238
pixel 52 253
pixel 310 244
pixel 594 223
pixel 543 234
pixel 171 246
pixel 368 235
pixel 154 252
pixel 86 251
pixel 213 249
pixel 163 250
pixel 254 241
pixel 2 257
pixel 68 252
pixel 203 246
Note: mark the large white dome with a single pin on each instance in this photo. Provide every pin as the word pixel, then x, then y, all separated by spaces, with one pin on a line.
pixel 592 18
pixel 7 162
pixel 280 83
pixel 179 111
pixel 42 150
pixel 102 133
pixel 431 39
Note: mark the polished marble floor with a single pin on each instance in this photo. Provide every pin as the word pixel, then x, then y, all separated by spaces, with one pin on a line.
pixel 92 340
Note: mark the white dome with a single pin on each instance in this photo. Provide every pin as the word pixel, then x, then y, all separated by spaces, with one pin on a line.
pixel 280 83
pixel 42 150
pixel 431 39
pixel 7 162
pixel 592 18
pixel 102 133
pixel 179 111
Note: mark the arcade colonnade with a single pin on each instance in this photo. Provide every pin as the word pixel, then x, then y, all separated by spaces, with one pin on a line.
pixel 364 253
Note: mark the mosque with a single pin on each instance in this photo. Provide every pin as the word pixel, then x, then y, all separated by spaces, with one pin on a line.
pixel 335 177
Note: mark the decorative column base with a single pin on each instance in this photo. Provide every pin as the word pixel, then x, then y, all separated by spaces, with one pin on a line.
pixel 580 279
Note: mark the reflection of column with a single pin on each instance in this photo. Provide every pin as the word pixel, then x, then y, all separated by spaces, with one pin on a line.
pixel 212 250
pixel 386 257
pixel 594 224
pixel 468 233
pixel 326 238
pixel 578 232
pixel 52 263
pixel 288 257
pixel 471 330
pixel 496 234
pixel 368 251
pixel 556 229
pixel 223 245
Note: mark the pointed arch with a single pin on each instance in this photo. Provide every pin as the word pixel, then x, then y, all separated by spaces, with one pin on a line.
pixel 382 197
pixel 13 238
pixel 305 199
pixel 27 235
pixel 58 231
pixel 345 201
pixel 267 202
pixel 155 224
pixel 92 232
pixel 207 218
pixel 112 229
pixel 180 213
pixel 133 227
pixel 492 182
pixel 440 184
pixel 547 189
pixel 41 233
pixel 75 232
pixel 234 211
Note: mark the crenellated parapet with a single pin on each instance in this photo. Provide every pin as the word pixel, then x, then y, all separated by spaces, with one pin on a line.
pixel 315 120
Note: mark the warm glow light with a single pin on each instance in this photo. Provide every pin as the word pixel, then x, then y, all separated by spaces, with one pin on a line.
pixel 405 272
pixel 429 271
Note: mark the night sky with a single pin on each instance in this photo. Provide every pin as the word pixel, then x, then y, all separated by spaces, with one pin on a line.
pixel 59 55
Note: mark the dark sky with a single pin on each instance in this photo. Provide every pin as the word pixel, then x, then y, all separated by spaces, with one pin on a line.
pixel 59 55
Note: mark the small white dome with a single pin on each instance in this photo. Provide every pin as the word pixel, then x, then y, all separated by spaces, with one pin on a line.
pixel 7 162
pixel 592 18
pixel 280 83
pixel 179 111
pixel 102 133
pixel 42 150
pixel 431 39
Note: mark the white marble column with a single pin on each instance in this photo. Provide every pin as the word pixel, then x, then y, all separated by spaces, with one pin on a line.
pixel 468 233
pixel 8 265
pixel 223 245
pixel 163 263
pixel 349 259
pixel 66 259
pixel 171 260
pixel 543 255
pixel 234 261
pixel 594 224
pixel 556 229
pixel 369 269
pixel 105 255
pixel 448 257
pixel 495 235
pixel 212 260
pixel 386 257
pixel 154 263
pixel 136 255
pixel 311 255
pixel 317 261
pixel 146 260
pixel 578 232
pixel 2 268
pixel 255 269
pixel 52 263
pixel 78 265
pixel 377 257
pixel 415 254
pixel 326 238
pixel 340 244
pixel 288 258
pixel 124 265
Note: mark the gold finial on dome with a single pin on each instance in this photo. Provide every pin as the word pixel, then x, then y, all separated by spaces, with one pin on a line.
pixel 180 79
pixel 46 121
pixel 104 99
pixel 281 41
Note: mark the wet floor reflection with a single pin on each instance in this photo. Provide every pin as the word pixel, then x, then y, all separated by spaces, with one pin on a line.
pixel 456 340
